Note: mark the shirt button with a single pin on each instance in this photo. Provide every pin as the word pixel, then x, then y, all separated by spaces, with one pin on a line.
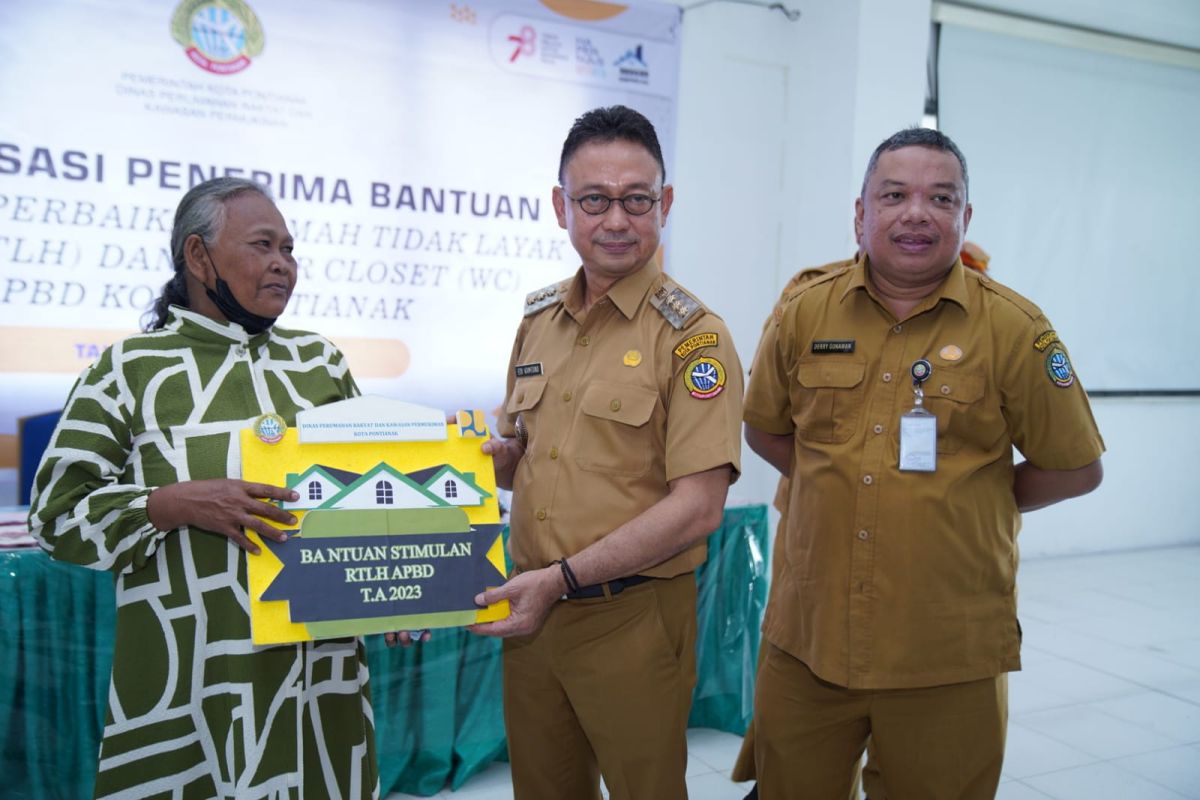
pixel 615 405
pixel 897 329
pixel 945 389
pixel 541 513
pixel 863 535
pixel 566 397
pixel 878 429
pixel 868 480
pixel 554 452
pixel 584 341
pixel 887 377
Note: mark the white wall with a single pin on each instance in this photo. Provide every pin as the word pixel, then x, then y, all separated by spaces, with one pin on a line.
pixel 1167 21
pixel 776 122
pixel 1150 496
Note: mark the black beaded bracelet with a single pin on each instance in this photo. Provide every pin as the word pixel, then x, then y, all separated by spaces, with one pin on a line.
pixel 570 573
pixel 568 576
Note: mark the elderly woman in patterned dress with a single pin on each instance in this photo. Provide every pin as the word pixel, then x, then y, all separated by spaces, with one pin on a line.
pixel 142 479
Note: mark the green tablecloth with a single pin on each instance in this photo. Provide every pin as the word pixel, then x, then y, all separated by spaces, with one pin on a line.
pixel 437 707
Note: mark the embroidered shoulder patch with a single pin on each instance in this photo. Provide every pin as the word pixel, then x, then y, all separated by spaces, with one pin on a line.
pixel 1058 367
pixel 704 378
pixel 1045 340
pixel 695 343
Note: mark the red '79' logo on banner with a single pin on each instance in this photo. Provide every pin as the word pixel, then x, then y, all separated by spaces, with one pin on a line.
pixel 525 42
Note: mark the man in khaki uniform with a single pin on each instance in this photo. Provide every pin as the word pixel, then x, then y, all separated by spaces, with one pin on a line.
pixel 894 615
pixel 743 767
pixel 972 256
pixel 622 411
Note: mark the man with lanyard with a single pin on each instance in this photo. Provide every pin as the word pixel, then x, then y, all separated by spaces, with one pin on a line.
pixel 893 393
pixel 972 256
pixel 621 421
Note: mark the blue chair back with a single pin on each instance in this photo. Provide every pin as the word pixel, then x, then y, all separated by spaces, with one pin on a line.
pixel 33 437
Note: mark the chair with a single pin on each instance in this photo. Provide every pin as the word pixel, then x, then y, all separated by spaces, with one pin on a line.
pixel 33 437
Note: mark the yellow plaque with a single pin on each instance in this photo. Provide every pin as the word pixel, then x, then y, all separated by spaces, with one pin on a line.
pixel 390 535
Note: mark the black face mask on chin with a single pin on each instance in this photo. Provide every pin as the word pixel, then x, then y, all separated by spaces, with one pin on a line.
pixel 228 305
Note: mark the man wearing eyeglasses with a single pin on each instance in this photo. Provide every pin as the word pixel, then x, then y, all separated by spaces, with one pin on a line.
pixel 622 423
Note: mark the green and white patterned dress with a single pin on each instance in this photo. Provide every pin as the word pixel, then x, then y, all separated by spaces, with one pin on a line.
pixel 195 710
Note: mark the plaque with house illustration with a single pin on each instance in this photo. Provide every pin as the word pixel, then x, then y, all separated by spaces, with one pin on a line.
pixel 398 526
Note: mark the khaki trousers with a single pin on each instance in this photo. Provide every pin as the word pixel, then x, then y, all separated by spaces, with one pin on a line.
pixel 936 743
pixel 743 766
pixel 604 688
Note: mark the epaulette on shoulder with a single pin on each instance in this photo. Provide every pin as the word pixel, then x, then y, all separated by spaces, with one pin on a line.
pixel 801 278
pixel 546 297
pixel 678 307
pixel 1027 306
pixel 809 274
pixel 816 280
pixel 799 286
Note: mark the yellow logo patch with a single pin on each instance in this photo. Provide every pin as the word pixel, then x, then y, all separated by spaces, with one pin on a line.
pixel 269 428
pixel 632 358
pixel 1044 341
pixel 695 343
pixel 951 352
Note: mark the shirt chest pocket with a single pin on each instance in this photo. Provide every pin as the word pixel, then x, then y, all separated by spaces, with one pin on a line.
pixel 828 399
pixel 526 396
pixel 614 434
pixel 955 397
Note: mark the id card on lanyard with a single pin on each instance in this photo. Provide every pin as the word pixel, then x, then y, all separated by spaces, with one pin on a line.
pixel 918 428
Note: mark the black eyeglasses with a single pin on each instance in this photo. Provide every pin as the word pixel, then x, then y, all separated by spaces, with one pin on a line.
pixel 635 205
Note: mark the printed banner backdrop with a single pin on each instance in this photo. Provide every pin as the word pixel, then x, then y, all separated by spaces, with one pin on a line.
pixel 411 146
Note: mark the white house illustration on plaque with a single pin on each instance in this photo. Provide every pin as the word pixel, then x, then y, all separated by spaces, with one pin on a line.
pixel 315 485
pixel 382 486
pixel 453 487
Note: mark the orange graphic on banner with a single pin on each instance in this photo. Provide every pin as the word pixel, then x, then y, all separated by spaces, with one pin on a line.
pixel 590 10
pixel 71 350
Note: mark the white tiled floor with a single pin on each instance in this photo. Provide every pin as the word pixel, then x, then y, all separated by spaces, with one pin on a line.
pixel 1107 707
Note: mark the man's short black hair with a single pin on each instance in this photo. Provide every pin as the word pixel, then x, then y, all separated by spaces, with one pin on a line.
pixel 609 125
pixel 917 137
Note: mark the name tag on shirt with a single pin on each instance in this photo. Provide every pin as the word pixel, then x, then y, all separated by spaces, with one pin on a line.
pixel 918 441
pixel 528 370
pixel 829 346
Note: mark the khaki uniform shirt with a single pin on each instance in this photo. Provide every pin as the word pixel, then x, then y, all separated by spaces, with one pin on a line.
pixel 783 489
pixel 907 579
pixel 617 402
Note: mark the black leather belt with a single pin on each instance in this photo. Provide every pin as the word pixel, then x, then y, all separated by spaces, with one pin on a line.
pixel 615 587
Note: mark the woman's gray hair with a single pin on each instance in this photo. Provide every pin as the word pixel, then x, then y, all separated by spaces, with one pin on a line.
pixel 200 212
